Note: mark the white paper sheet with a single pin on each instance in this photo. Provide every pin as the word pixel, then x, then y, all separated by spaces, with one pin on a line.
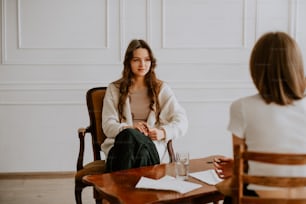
pixel 209 176
pixel 167 183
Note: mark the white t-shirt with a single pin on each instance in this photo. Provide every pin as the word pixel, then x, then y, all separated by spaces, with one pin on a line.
pixel 270 128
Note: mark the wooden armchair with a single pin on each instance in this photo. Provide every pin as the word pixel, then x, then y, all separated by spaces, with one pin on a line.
pixel 94 99
pixel 242 156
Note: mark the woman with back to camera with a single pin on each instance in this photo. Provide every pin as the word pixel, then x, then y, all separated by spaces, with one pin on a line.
pixel 140 113
pixel 274 120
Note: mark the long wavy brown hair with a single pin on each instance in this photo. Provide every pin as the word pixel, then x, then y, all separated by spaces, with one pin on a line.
pixel 276 67
pixel 126 81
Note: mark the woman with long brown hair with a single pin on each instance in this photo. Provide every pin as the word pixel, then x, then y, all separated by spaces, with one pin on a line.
pixel 140 113
pixel 274 119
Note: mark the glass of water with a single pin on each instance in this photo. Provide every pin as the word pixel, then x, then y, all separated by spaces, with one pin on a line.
pixel 182 165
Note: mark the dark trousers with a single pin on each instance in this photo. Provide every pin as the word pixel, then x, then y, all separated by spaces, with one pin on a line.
pixel 131 149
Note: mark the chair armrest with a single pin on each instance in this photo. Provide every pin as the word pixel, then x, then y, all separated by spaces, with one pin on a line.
pixel 81 133
pixel 170 151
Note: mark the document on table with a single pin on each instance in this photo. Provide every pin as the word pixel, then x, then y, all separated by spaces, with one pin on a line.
pixel 209 176
pixel 167 183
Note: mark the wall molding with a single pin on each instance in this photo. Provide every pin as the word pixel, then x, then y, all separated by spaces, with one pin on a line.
pixel 15 53
pixel 293 20
pixel 73 93
pixel 244 31
pixel 122 17
pixel 149 21
pixel 293 12
pixel 19 31
pixel 122 28
pixel 81 85
pixel 3 38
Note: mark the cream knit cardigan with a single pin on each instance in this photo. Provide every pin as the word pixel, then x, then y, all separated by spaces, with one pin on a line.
pixel 173 119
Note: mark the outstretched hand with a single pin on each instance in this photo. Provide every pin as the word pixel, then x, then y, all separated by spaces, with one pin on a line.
pixel 223 167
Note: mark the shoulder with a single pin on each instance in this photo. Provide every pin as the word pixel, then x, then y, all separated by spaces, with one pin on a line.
pixel 298 105
pixel 301 102
pixel 251 98
pixel 165 88
pixel 166 93
pixel 113 87
pixel 248 101
pixel 112 91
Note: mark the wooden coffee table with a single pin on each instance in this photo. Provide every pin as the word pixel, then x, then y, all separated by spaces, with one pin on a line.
pixel 119 187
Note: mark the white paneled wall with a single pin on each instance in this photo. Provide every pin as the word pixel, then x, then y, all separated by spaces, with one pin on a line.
pixel 52 51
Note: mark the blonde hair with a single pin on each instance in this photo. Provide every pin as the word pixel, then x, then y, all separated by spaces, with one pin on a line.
pixel 276 67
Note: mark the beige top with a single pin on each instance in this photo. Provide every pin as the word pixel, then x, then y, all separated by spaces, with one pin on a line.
pixel 140 105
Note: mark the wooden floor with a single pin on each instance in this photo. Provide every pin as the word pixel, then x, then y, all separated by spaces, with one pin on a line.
pixel 41 191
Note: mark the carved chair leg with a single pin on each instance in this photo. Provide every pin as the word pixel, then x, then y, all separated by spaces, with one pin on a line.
pixel 97 197
pixel 78 193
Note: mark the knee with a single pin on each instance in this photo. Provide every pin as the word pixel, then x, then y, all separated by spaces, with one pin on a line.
pixel 126 136
pixel 128 131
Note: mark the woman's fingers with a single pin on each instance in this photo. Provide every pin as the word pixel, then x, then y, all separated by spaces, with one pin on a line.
pixel 223 166
pixel 142 127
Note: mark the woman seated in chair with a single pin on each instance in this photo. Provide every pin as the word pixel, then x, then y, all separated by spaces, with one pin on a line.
pixel 140 113
pixel 274 120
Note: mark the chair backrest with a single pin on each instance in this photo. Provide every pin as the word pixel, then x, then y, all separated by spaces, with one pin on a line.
pixel 94 98
pixel 242 156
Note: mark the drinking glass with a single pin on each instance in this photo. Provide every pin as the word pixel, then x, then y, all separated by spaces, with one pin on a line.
pixel 182 165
